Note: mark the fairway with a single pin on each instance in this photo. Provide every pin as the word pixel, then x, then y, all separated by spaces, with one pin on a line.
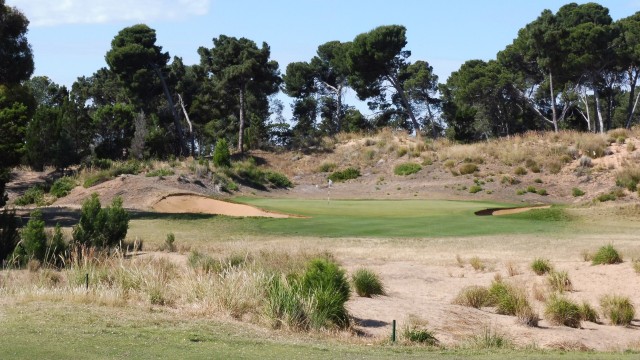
pixel 402 218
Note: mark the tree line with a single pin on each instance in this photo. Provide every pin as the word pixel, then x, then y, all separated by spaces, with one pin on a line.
pixel 573 69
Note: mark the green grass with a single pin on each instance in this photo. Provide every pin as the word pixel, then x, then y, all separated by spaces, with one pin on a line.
pixel 63 331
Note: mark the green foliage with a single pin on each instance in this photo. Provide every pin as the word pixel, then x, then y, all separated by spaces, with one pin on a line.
pixel 407 169
pixel 169 242
pixel 9 234
pixel 367 283
pixel 102 228
pixel 550 214
pixel 508 299
pixel 628 178
pixel 468 168
pixel 327 167
pixel 33 195
pixel 489 339
pixel 221 154
pixel 588 313
pixel 203 262
pixel 618 309
pixel 541 266
pixel 421 336
pixel 286 304
pixel 576 192
pixel 542 192
pixel 344 175
pixel 610 196
pixel 278 180
pixel 475 188
pixel 62 187
pixel 473 296
pixel 606 255
pixel 160 172
pixel 559 281
pixel 115 169
pixel 520 171
pixel 33 243
pixel 509 180
pixel 329 284
pixel 562 311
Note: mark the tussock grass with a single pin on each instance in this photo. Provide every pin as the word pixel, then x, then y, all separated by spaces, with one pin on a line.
pixel 629 177
pixel 477 264
pixel 512 269
pixel 367 283
pixel 473 296
pixel 559 281
pixel 416 331
pixel 508 299
pixel 562 311
pixel 344 175
pixel 618 309
pixel 467 168
pixel 489 338
pixel 588 313
pixel 606 255
pixel 406 169
pixel 541 266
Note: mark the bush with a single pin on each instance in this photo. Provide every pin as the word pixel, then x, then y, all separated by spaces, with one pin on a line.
pixel 468 168
pixel 473 296
pixel 278 180
pixel 576 192
pixel 610 196
pixel 520 171
pixel 160 172
pixel 588 313
pixel 449 164
pixel 344 175
pixel 509 180
pixel 618 309
pixel 559 281
pixel 327 167
pixel 329 288
pixel 606 255
pixel 33 243
pixel 561 311
pixel 507 299
pixel 169 242
pixel 585 162
pixel 628 178
pixel 62 187
pixel 541 266
pixel 204 263
pixel 9 234
pixel 475 188
pixel 407 169
pixel 542 192
pixel 102 228
pixel 33 195
pixel 531 189
pixel 367 283
pixel 422 336
pixel 221 154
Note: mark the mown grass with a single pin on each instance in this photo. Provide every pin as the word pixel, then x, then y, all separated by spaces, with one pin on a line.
pixel 402 218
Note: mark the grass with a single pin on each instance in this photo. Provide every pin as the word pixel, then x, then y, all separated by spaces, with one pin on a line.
pixel 344 175
pixel 407 169
pixel 366 283
pixel 400 218
pixel 576 192
pixel 628 178
pixel 559 281
pixel 468 168
pixel 561 311
pixel 588 313
pixel 606 255
pixel 618 309
pixel 541 266
pixel 160 172
pixel 508 299
pixel 473 296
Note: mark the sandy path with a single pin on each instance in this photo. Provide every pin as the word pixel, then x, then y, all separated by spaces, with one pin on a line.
pixel 181 204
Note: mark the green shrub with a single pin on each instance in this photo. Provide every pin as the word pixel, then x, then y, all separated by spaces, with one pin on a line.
pixel 559 281
pixel 449 164
pixel 327 167
pixel 367 283
pixel 344 175
pixel 328 284
pixel 475 188
pixel 422 336
pixel 606 255
pixel 169 242
pixel 33 243
pixel 576 192
pixel 520 171
pixel 610 196
pixel 507 299
pixel 531 189
pixel 97 178
pixel 541 266
pixel 542 192
pixel 278 180
pixel 102 164
pixel 468 168
pixel 9 234
pixel 628 178
pixel 102 228
pixel 407 169
pixel 221 154
pixel 538 181
pixel 62 187
pixel 286 305
pixel 33 195
pixel 473 296
pixel 588 313
pixel 160 172
pixel 618 309
pixel 561 311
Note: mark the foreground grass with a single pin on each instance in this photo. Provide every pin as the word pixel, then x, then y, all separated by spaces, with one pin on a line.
pixel 402 218
pixel 53 330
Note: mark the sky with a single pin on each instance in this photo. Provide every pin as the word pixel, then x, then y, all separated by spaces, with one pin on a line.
pixel 70 38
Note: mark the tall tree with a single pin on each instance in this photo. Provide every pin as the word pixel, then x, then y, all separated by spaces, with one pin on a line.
pixel 16 58
pixel 239 67
pixel 138 61
pixel 627 47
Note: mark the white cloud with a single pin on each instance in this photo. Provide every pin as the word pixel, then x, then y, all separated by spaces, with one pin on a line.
pixel 49 13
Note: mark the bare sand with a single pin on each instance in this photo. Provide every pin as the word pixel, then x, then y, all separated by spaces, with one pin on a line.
pixel 180 204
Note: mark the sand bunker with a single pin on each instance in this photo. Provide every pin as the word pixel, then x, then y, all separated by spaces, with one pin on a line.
pixel 508 211
pixel 181 204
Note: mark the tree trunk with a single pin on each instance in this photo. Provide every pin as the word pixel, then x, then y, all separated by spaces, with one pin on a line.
pixel 176 118
pixel 191 137
pixel 598 109
pixel 633 78
pixel 241 120
pixel 338 109
pixel 407 105
pixel 554 118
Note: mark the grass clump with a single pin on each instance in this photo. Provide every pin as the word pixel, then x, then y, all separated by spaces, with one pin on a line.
pixel 541 266
pixel 475 188
pixel 576 192
pixel 407 169
pixel 278 180
pixel 468 168
pixel 520 171
pixel 610 196
pixel 488 338
pixel 618 309
pixel 628 178
pixel 473 296
pixel 367 283
pixel 562 311
pixel 588 313
pixel 160 172
pixel 477 264
pixel 606 255
pixel 636 266
pixel 327 167
pixel 33 195
pixel 542 192
pixel 344 175
pixel 508 299
pixel 559 281
pixel 509 180
pixel 62 187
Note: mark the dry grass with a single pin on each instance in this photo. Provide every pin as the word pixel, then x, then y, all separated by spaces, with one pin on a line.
pixel 512 269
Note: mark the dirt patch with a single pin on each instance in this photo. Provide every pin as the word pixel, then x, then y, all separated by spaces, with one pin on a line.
pixel 508 211
pixel 179 204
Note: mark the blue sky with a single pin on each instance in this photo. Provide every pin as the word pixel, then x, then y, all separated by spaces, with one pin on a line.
pixel 70 37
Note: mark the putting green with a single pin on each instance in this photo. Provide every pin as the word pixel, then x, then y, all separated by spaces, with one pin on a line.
pixel 402 218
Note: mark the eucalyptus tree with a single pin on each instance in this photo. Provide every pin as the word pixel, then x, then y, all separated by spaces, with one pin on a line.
pixel 140 63
pixel 627 47
pixel 239 68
